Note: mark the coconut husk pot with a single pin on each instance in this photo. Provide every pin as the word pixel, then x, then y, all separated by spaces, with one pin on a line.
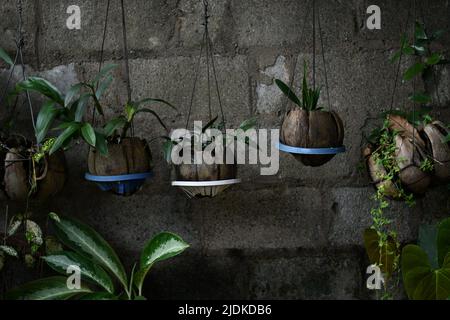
pixel 51 175
pixel 312 129
pixel 434 135
pixel 129 156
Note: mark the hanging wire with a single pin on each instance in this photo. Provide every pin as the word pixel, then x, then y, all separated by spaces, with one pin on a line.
pixel 414 82
pixel 294 67
pixel 125 51
pixel 314 43
pixel 210 64
pixel 324 63
pixel 20 43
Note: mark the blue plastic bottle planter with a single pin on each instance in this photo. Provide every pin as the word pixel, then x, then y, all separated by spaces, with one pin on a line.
pixel 124 185
pixel 310 151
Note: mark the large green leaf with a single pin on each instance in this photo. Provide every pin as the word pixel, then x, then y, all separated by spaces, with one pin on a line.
pixel 420 98
pixel 61 261
pixel 113 125
pixel 44 120
pixel 65 136
pixel 54 288
pixel 443 240
pixel 434 59
pixel 100 143
pixel 421 281
pixel 87 242
pixel 288 92
pixel 5 57
pixel 88 134
pixel 162 247
pixel 43 87
pixel 383 257
pixel 81 105
pixel 103 86
pixel 427 241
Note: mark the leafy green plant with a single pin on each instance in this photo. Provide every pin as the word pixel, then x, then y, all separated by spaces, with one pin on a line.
pixel 69 111
pixel 197 136
pixel 426 266
pixel 102 274
pixel 310 96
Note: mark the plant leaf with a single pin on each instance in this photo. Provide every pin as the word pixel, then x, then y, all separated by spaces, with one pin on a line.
pixel 420 280
pixel 10 251
pixel 87 242
pixel 413 71
pixel 152 100
pixel 248 124
pixel 209 124
pixel 88 134
pixel 443 240
pixel 162 247
pixel 382 257
pixel 81 107
pixel 420 33
pixel 61 261
pixel 73 91
pixel 44 120
pixel 114 125
pixel 65 136
pixel 288 92
pixel 105 70
pixel 420 98
pixel 13 227
pixel 427 241
pixel 104 85
pixel 5 57
pixel 54 288
pixel 43 87
pixel 100 143
pixel 434 59
pixel 153 113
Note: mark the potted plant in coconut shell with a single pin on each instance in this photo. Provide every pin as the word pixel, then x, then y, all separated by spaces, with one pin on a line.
pixel 313 135
pixel 116 162
pixel 202 179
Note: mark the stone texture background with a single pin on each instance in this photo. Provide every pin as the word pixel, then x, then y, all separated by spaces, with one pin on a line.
pixel 295 235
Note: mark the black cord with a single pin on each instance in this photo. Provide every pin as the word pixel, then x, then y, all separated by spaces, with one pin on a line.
pixel 324 63
pixel 314 44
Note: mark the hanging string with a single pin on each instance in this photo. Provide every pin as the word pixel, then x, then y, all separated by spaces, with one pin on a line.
pixel 414 82
pixel 314 43
pixel 102 50
pixel 125 51
pixel 327 87
pixel 210 63
pixel 294 67
pixel 397 73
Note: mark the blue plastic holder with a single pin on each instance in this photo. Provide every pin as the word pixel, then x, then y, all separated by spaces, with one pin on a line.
pixel 310 151
pixel 123 185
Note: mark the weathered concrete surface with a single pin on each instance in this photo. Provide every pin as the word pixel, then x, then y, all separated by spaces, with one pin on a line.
pixel 296 235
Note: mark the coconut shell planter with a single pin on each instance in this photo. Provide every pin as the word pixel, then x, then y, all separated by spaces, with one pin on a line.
pixel 124 170
pixel 413 148
pixel 21 181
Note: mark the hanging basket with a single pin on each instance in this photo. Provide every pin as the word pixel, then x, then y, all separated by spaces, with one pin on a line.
pixel 435 134
pixel 205 180
pixel 50 173
pixel 312 137
pixel 409 155
pixel 124 170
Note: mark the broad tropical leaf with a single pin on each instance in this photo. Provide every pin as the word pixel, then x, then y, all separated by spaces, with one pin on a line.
pixel 73 91
pixel 61 261
pixel 88 134
pixel 65 136
pixel 383 257
pixel 162 247
pixel 104 85
pixel 87 242
pixel 421 281
pixel 5 57
pixel 44 120
pixel 113 125
pixel 414 70
pixel 443 240
pixel 53 288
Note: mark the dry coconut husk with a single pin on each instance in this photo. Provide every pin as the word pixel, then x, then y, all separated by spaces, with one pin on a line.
pixel 435 134
pixel 50 173
pixel 130 156
pixel 312 129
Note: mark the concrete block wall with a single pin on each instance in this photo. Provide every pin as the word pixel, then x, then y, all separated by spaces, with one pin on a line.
pixel 296 235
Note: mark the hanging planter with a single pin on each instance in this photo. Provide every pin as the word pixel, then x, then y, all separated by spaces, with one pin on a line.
pixel 124 170
pixel 200 179
pixel 312 135
pixel 32 173
pixel 397 161
pixel 436 136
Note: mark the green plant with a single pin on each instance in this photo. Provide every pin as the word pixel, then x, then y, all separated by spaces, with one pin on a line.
pixel 310 96
pixel 199 136
pixel 98 264
pixel 426 266
pixel 69 111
